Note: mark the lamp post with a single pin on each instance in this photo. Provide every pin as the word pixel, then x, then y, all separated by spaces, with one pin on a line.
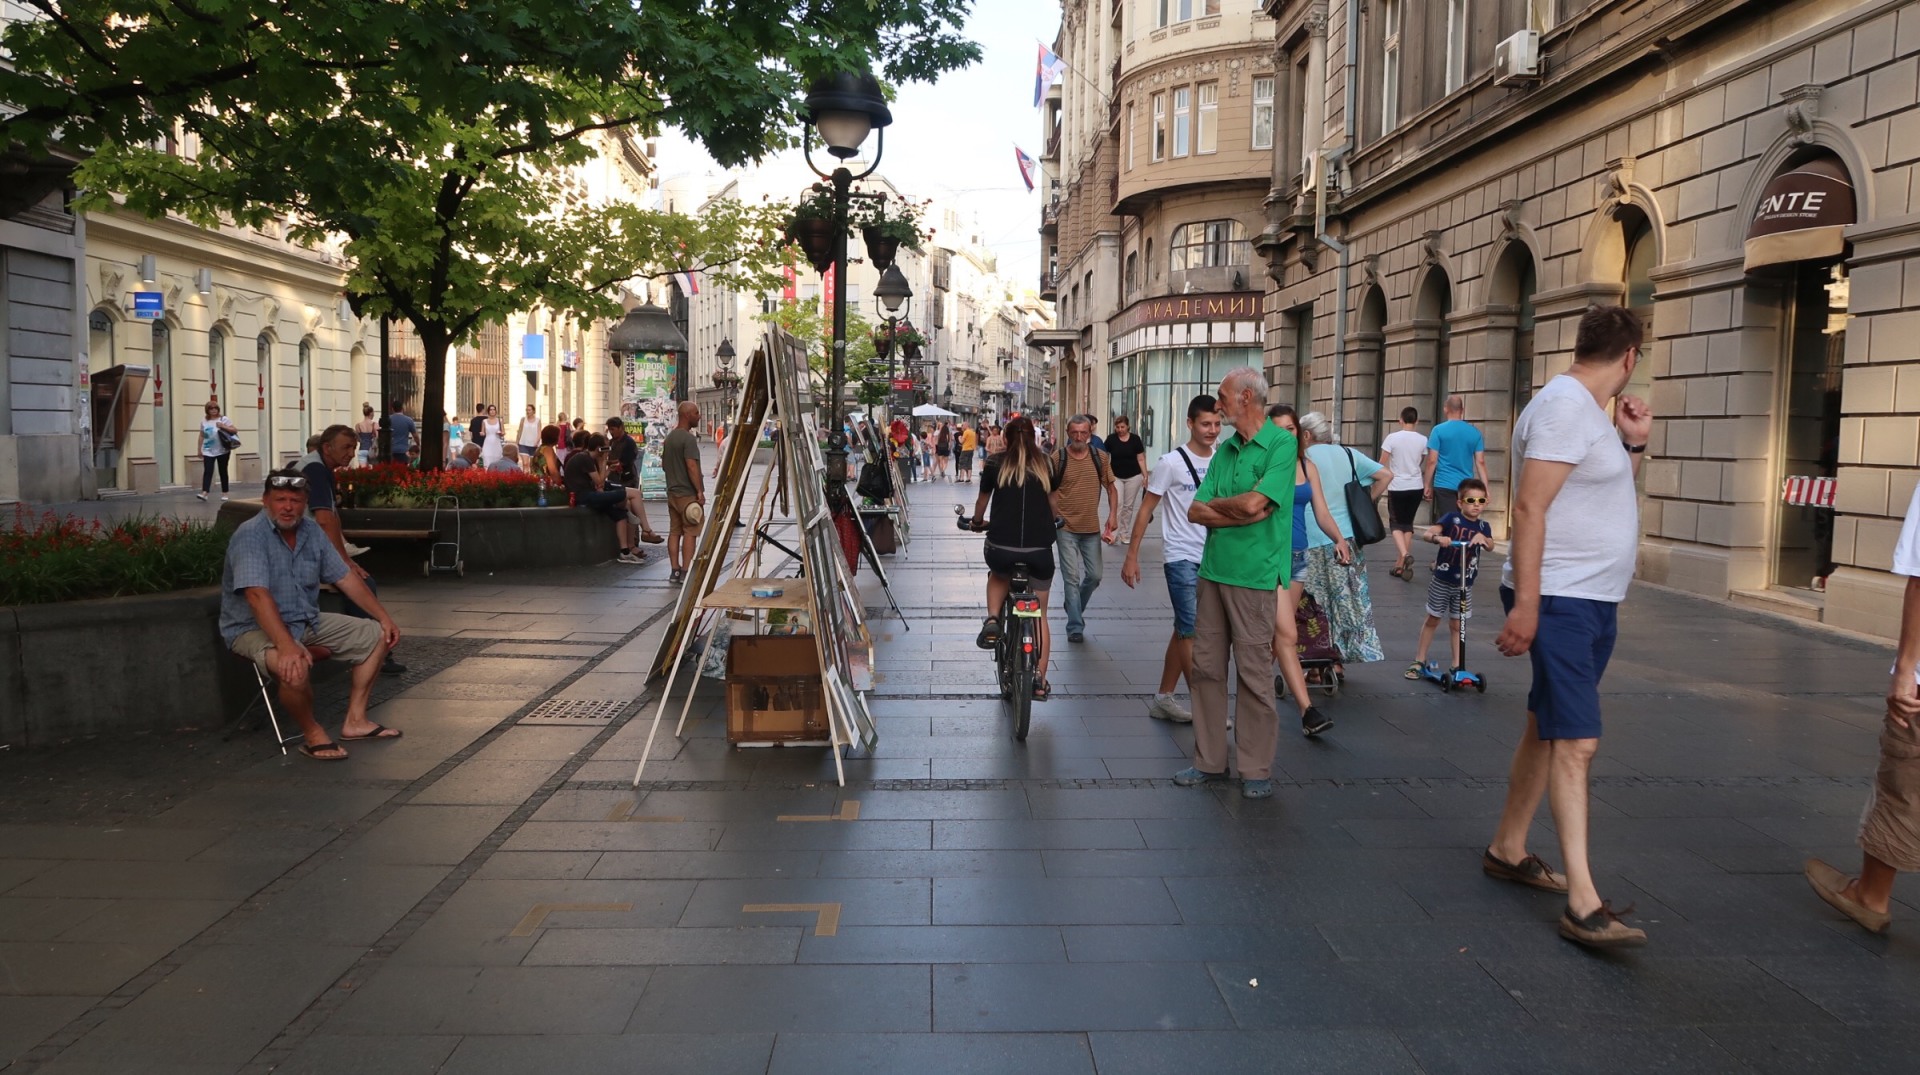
pixel 725 379
pixel 842 109
pixel 891 295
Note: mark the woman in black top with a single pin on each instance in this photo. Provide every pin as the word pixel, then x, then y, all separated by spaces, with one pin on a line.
pixel 1019 484
pixel 1124 454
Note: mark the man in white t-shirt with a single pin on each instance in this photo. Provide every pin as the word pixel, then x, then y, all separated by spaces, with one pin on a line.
pixel 1575 538
pixel 1890 828
pixel 1175 478
pixel 1405 454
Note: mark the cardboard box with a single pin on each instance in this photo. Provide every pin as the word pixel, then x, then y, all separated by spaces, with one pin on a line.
pixel 773 690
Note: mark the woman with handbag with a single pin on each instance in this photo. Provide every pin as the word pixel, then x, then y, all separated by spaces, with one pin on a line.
pixel 1308 496
pixel 218 439
pixel 1353 483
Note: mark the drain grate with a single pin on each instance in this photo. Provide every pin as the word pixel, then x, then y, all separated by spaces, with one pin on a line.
pixel 576 712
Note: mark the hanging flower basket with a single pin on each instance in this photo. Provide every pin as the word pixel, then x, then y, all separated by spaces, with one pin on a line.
pixel 881 247
pixel 886 225
pixel 815 239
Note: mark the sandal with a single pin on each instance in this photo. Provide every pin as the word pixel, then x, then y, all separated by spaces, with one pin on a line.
pixel 1042 690
pixel 312 750
pixel 651 537
pixel 1406 567
pixel 989 635
pixel 1413 670
pixel 380 731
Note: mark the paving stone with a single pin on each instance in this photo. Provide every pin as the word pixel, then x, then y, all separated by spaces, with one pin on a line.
pixel 1400 994
pixel 1025 834
pixel 427 834
pixel 705 864
pixel 1663 992
pixel 26 1021
pixel 935 944
pixel 406 999
pixel 369 1054
pixel 1305 1050
pixel 478 782
pixel 1203 943
pixel 662 947
pixel 1472 1051
pixel 131 843
pixel 340 903
pixel 612 1054
pixel 1075 997
pixel 958 1054
pixel 44 919
pixel 538 865
pixel 1856 988
pixel 785 999
pixel 1051 901
pixel 101 879
pixel 614 836
pixel 828 836
pixel 1775 1049
pixel 969 863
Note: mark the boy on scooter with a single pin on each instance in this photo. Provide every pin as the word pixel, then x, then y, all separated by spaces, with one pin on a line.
pixel 1447 597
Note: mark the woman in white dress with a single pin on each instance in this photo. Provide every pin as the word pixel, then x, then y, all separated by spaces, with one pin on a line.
pixel 492 439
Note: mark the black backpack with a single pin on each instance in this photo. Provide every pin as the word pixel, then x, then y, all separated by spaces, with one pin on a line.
pixel 1101 466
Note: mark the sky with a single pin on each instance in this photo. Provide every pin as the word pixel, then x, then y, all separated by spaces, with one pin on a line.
pixel 953 140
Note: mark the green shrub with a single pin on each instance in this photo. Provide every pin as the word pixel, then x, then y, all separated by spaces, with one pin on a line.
pixel 45 558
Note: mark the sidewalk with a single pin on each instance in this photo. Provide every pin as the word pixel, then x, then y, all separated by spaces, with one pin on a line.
pixel 489 895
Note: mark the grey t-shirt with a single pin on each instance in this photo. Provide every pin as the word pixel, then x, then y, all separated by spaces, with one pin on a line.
pixel 680 449
pixel 1593 526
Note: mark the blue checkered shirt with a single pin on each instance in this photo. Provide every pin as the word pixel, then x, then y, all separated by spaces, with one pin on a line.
pixel 258 556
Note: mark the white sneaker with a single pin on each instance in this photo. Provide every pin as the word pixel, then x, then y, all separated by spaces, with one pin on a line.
pixel 630 558
pixel 1163 707
pixel 200 496
pixel 224 498
pixel 356 550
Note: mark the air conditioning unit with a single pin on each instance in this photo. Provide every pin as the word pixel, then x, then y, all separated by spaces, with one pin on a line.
pixel 1516 61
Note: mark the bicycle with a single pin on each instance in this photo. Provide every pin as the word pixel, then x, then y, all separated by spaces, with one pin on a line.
pixel 1017 653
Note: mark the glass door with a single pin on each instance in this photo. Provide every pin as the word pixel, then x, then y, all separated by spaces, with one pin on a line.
pixel 1809 436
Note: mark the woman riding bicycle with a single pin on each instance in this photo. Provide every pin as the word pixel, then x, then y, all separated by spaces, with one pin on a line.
pixel 1019 484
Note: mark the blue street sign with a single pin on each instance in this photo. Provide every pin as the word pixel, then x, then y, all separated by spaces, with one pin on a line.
pixel 149 305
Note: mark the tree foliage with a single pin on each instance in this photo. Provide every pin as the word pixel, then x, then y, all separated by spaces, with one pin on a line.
pixel 806 322
pixel 441 140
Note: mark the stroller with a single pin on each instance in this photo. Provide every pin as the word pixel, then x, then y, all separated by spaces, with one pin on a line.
pixel 1319 657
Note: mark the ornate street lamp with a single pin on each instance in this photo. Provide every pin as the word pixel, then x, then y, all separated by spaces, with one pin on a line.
pixel 891 295
pixel 724 378
pixel 842 109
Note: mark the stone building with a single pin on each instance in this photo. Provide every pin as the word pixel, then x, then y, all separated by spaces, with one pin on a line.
pixel 1739 174
pixel 1158 159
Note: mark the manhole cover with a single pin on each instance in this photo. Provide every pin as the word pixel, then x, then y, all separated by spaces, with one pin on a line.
pixel 576 712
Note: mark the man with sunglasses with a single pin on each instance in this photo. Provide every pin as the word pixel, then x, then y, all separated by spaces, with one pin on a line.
pixel 270 613
pixel 1575 539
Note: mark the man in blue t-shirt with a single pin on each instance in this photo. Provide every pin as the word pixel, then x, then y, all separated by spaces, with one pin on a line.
pixel 1455 452
pixel 400 431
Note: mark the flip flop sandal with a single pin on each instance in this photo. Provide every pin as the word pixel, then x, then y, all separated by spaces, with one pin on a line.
pixel 311 750
pixel 651 537
pixel 1042 691
pixel 380 731
pixel 1413 670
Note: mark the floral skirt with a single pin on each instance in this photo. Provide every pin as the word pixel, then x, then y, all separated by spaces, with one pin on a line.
pixel 1343 593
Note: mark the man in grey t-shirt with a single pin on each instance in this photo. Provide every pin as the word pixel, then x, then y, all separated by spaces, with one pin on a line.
pixel 680 458
pixel 1575 533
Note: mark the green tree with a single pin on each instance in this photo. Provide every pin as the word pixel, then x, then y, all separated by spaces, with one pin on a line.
pixel 435 138
pixel 806 322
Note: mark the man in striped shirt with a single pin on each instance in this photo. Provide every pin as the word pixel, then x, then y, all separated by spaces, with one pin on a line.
pixel 1080 472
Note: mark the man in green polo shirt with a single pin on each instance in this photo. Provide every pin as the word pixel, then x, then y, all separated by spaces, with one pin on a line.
pixel 1246 504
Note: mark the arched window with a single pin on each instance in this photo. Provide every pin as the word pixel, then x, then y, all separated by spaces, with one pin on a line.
pixel 219 388
pixel 1209 244
pixel 306 390
pixel 1133 272
pixel 263 387
pixel 100 349
pixel 161 359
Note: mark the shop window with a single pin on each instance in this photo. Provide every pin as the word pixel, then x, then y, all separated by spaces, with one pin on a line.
pixel 1207 130
pixel 1263 113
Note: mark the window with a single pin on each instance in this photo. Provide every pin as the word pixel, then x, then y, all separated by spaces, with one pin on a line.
pixel 1206 136
pixel 1159 126
pixel 1133 272
pixel 217 366
pixel 1456 44
pixel 1130 120
pixel 1209 244
pixel 1182 120
pixel 1263 113
pixel 1389 65
pixel 1172 11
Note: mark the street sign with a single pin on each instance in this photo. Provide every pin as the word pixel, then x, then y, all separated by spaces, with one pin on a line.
pixel 149 305
pixel 903 385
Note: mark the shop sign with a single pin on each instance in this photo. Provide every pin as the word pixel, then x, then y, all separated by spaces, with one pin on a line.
pixel 149 305
pixel 1190 309
pixel 1803 215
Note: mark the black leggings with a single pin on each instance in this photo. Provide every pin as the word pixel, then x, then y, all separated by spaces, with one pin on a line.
pixel 207 463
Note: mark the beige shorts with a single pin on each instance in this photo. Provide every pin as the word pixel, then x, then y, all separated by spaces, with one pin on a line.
pixel 351 639
pixel 1890 831
pixel 677 515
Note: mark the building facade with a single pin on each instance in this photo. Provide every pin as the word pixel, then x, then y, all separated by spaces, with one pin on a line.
pixel 1738 174
pixel 1158 162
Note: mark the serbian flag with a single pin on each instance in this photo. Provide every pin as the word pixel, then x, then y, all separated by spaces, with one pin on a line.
pixel 689 286
pixel 1051 69
pixel 1026 166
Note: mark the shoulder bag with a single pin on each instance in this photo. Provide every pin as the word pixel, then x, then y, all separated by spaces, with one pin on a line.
pixel 1367 528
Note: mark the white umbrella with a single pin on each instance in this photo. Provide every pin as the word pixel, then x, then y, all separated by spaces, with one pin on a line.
pixel 928 410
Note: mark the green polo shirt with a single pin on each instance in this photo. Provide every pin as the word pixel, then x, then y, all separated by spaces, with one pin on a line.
pixel 1257 556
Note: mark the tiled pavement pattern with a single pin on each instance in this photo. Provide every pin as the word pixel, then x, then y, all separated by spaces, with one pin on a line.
pixel 488 897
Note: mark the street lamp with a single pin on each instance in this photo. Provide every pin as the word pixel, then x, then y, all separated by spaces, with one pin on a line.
pixel 724 378
pixel 891 294
pixel 842 109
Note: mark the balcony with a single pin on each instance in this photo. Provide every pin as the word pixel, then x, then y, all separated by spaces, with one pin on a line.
pixel 1049 286
pixel 1050 216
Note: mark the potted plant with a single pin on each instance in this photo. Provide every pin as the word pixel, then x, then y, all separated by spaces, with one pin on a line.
pixel 811 226
pixel 885 226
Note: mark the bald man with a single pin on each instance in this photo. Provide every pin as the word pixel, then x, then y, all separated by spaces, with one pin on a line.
pixel 680 458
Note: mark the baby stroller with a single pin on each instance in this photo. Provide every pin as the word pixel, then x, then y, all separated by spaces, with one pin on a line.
pixel 1319 657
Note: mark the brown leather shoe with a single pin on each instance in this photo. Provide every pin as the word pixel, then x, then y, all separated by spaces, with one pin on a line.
pixel 1531 871
pixel 1601 929
pixel 1831 885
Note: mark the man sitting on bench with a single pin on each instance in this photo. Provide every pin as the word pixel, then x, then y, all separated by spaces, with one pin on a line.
pixel 270 612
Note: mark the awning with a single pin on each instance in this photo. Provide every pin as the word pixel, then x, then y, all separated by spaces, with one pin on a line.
pixel 1803 215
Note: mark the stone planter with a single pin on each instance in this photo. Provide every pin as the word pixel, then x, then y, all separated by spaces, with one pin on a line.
pixel 117 665
pixel 491 539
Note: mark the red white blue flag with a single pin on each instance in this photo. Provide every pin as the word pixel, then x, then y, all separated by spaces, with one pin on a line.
pixel 689 284
pixel 1051 69
pixel 1026 165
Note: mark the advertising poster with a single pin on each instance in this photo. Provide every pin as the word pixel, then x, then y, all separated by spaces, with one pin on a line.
pixel 646 397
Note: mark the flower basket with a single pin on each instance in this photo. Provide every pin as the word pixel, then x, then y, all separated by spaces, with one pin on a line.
pixel 815 239
pixel 886 226
pixel 881 247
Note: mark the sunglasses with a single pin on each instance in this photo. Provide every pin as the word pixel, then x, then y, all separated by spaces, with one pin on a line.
pixel 286 481
pixel 1473 500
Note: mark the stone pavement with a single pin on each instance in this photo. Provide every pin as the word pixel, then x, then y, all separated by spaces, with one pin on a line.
pixel 489 895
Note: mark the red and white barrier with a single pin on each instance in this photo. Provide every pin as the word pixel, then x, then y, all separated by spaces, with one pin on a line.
pixel 1808 492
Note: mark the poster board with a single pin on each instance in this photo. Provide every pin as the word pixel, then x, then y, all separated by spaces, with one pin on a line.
pixel 646 396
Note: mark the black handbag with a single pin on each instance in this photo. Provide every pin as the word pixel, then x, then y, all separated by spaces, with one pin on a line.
pixel 874 483
pixel 1367 527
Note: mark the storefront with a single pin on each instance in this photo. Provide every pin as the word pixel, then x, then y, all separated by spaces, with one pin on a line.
pixel 1169 350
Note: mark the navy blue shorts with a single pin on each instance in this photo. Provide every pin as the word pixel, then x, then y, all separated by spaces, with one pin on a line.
pixel 1570 652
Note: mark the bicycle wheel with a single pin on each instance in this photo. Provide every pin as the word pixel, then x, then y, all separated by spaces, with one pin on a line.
pixel 1022 701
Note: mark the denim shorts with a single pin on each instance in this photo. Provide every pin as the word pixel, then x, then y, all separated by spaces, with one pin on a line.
pixel 1570 651
pixel 1299 566
pixel 1183 586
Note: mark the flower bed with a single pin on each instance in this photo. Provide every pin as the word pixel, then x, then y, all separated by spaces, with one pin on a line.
pixel 45 558
pixel 395 485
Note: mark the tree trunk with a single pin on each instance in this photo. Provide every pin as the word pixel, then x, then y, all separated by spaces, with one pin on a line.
pixel 434 341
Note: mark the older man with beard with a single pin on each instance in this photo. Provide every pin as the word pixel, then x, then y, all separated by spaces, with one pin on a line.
pixel 270 612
